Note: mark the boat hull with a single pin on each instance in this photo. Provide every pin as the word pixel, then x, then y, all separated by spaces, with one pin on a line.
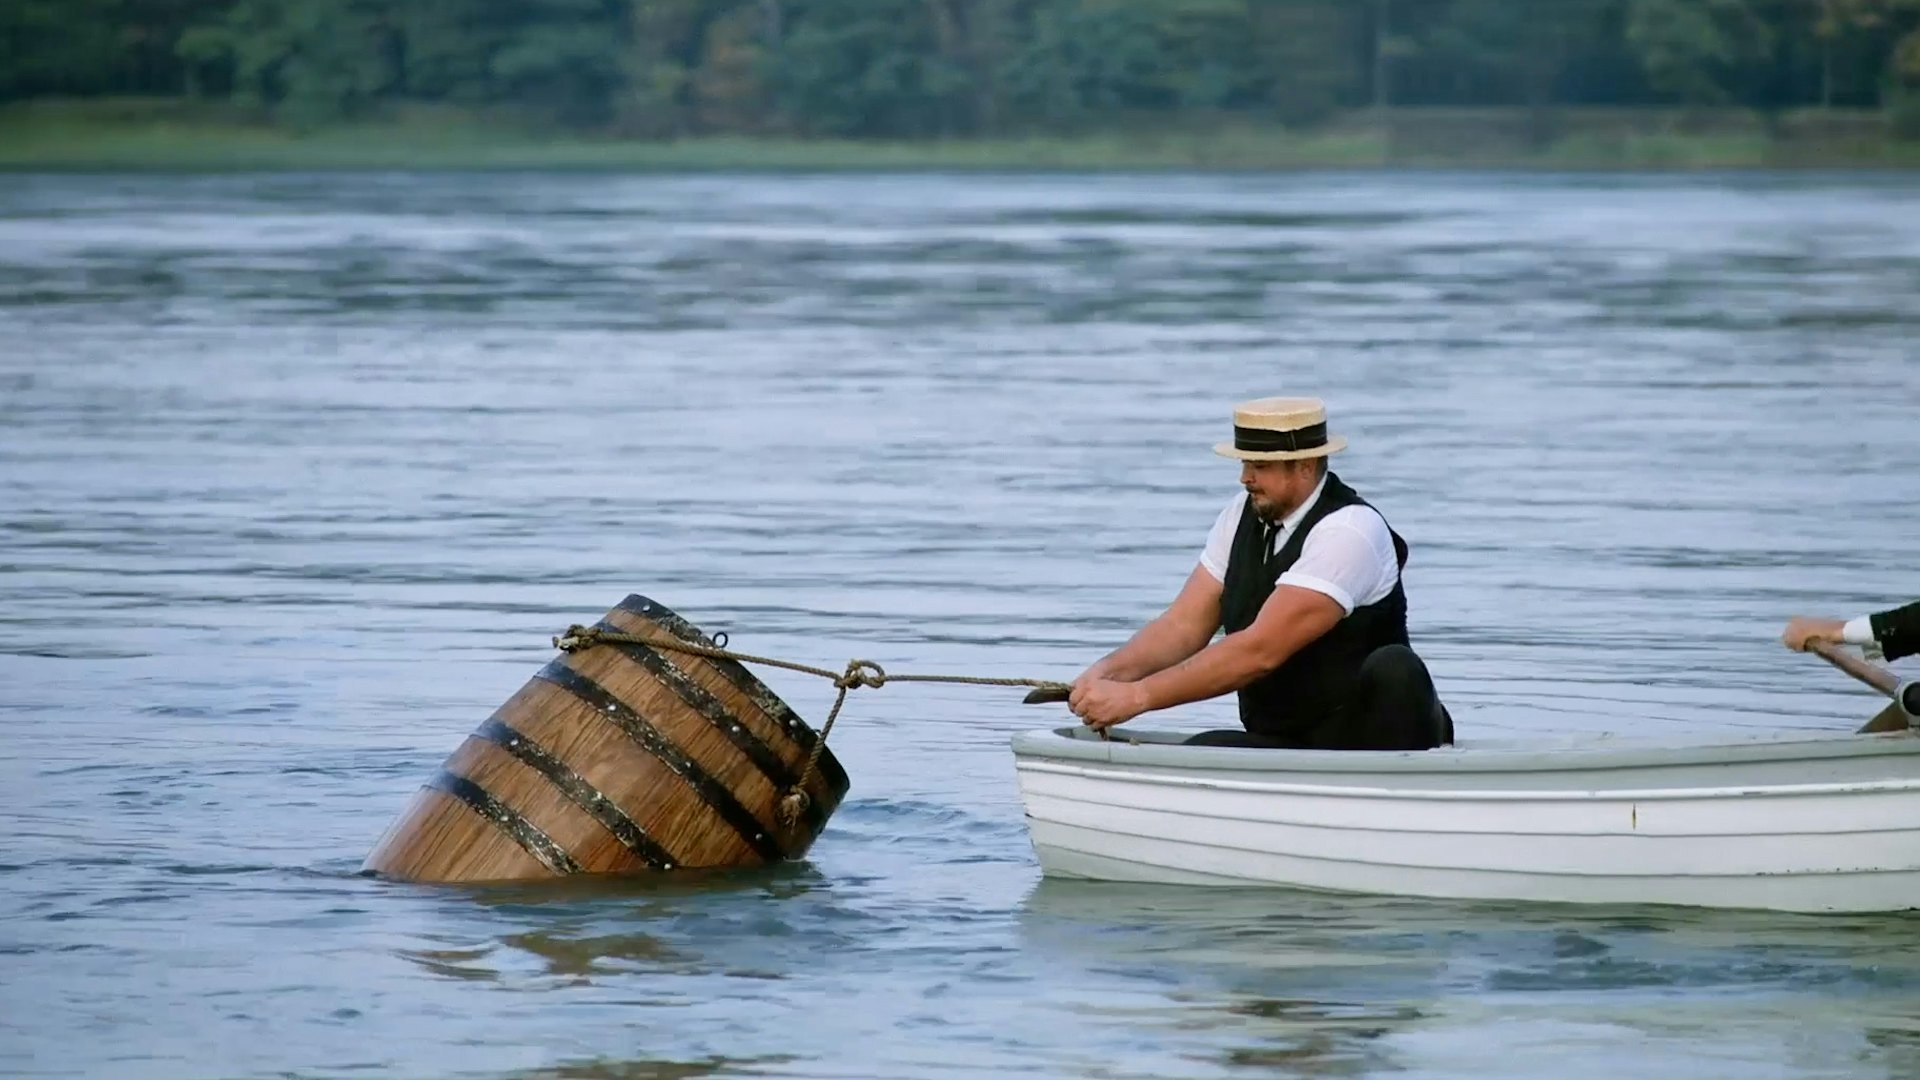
pixel 1826 824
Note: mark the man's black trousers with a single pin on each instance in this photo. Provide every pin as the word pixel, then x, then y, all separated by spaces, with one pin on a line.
pixel 1394 707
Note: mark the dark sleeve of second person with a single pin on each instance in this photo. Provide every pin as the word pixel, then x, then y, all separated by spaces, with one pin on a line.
pixel 1898 630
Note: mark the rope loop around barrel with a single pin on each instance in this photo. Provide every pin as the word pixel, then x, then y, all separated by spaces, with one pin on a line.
pixel 858 673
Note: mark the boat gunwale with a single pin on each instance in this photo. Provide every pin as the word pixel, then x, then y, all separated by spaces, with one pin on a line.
pixel 1545 795
pixel 1163 750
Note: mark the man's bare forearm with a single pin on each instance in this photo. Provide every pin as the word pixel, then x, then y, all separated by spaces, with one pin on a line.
pixel 1158 645
pixel 1220 668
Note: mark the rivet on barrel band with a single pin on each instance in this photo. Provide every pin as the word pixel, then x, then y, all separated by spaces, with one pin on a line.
pixel 714 711
pixel 521 831
pixel 662 748
pixel 576 788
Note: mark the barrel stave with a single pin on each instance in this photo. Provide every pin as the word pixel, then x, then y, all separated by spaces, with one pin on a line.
pixel 439 838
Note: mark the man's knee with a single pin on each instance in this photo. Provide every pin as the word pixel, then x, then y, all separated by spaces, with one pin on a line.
pixel 1217 738
pixel 1394 678
pixel 1393 664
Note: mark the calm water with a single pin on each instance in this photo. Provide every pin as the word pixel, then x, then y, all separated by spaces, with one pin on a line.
pixel 298 475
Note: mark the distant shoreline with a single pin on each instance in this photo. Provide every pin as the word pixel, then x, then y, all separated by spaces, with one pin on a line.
pixel 172 136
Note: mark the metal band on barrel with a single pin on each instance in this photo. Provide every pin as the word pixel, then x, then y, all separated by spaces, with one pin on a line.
pixel 744 680
pixel 521 831
pixel 714 711
pixel 752 832
pixel 582 794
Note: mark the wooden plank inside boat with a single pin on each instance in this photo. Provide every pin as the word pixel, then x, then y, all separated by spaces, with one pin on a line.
pixel 619 758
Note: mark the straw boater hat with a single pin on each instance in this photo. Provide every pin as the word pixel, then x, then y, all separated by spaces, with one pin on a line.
pixel 1280 429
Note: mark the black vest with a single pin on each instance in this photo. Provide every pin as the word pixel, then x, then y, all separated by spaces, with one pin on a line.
pixel 1311 690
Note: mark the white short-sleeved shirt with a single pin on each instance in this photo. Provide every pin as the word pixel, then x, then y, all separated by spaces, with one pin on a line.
pixel 1349 556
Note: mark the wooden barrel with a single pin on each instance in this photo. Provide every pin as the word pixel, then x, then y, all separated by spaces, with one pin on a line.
pixel 618 758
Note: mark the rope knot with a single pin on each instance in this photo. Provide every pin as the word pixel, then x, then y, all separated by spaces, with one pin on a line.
pixel 577 637
pixel 792 805
pixel 861 673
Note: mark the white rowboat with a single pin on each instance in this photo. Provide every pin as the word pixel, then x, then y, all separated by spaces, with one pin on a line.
pixel 1781 822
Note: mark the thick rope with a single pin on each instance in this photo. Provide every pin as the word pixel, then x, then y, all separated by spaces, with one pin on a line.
pixel 858 673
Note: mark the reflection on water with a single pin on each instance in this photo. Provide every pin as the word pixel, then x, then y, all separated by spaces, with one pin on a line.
pixel 298 475
pixel 1339 985
pixel 653 1070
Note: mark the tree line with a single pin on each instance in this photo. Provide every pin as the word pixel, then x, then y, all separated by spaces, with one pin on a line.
pixel 916 68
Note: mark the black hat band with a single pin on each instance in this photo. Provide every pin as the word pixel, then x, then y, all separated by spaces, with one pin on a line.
pixel 1263 441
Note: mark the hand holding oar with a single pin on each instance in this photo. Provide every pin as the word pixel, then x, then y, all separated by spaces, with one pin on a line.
pixel 1900 713
pixel 1049 695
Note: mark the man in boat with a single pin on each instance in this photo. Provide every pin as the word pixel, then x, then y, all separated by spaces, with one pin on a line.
pixel 1303 575
pixel 1893 633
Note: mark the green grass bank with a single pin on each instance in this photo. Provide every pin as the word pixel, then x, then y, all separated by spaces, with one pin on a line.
pixel 169 135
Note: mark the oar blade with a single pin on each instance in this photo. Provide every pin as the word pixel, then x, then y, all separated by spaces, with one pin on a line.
pixel 1891 718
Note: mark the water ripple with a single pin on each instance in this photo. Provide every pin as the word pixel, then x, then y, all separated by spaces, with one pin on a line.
pixel 301 473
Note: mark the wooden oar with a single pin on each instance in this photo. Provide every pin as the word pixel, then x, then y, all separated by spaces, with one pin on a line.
pixel 1048 695
pixel 1891 718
